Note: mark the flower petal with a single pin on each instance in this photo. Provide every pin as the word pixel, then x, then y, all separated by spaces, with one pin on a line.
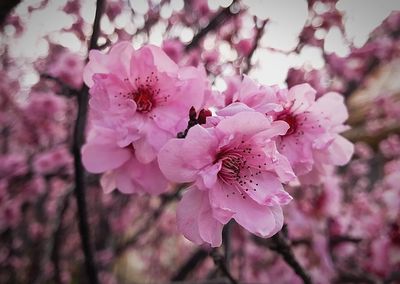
pixel 181 159
pixel 98 158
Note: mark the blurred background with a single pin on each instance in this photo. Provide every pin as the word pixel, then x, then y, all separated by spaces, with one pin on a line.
pixel 344 231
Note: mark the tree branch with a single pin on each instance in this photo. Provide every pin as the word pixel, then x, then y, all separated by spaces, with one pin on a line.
pixel 78 140
pixel 280 244
pixel 190 264
pixel 259 34
pixel 6 6
pixel 220 263
pixel 54 245
pixel 226 240
pixel 213 24
pixel 165 200
pixel 393 277
pixel 66 90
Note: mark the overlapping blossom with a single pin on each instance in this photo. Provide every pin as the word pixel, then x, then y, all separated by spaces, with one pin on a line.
pixel 139 100
pixel 236 172
pixel 235 162
pixel 313 143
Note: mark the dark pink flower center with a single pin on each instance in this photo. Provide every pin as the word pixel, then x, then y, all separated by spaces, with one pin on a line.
pixel 147 95
pixel 144 98
pixel 290 119
pixel 232 163
pixel 241 166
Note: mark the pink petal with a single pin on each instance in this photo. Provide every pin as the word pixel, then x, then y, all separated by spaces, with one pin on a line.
pixel 107 182
pixel 304 97
pixel 210 174
pixel 181 159
pixel 209 228
pixel 164 63
pixel 276 128
pixel 98 158
pixel 143 151
pixel 340 151
pixel 263 221
pixel 233 109
pixel 112 63
pixel 244 123
pixel 333 107
pixel 187 214
pixel 194 88
pixel 135 177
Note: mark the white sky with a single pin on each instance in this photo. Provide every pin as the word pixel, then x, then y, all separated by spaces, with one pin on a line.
pixel 286 17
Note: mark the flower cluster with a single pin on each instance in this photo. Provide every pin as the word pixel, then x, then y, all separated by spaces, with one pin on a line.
pixel 235 161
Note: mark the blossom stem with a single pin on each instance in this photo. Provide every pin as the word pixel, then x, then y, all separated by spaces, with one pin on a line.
pixel 220 263
pixel 226 240
pixel 279 244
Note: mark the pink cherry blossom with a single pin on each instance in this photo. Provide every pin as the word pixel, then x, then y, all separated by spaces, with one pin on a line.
pixel 68 67
pixel 143 92
pixel 313 142
pixel 51 161
pixel 120 165
pixel 237 173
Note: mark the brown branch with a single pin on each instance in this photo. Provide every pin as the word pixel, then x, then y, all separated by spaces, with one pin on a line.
pixel 212 25
pixel 78 140
pixel 190 264
pixel 66 90
pixel 336 240
pixel 165 200
pixel 220 280
pixel 54 244
pixel 280 244
pixel 393 277
pixel 226 240
pixel 259 34
pixel 6 6
pixel 353 85
pixel 220 263
pixel 354 278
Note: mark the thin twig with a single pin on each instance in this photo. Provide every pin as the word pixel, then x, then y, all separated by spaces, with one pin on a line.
pixel 165 200
pixel 394 276
pixel 335 240
pixel 66 90
pixel 220 263
pixel 191 264
pixel 78 140
pixel 259 34
pixel 212 25
pixel 54 245
pixel 280 244
pixel 355 278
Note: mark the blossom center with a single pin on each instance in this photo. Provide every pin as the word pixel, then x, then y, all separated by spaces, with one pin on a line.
pixel 144 99
pixel 290 119
pixel 240 168
pixel 232 163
